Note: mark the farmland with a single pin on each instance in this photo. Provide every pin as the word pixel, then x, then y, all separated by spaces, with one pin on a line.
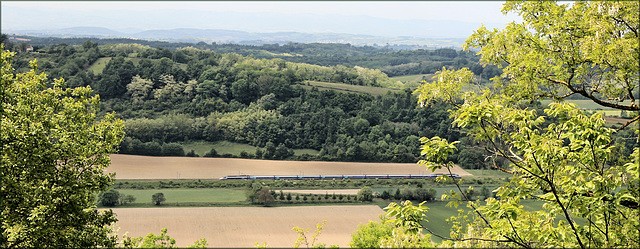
pixel 244 226
pixel 144 167
pixel 177 196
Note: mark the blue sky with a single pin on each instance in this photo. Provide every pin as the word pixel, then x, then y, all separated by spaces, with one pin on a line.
pixel 286 15
pixel 468 11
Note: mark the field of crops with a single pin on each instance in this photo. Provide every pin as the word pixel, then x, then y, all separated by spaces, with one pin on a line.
pixel 145 167
pixel 244 226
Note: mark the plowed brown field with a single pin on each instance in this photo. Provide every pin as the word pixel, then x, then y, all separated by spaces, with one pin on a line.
pixel 244 226
pixel 145 167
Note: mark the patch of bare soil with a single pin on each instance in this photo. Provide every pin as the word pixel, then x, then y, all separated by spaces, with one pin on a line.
pixel 146 167
pixel 244 226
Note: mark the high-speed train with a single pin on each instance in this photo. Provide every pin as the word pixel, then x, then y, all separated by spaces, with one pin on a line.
pixel 329 177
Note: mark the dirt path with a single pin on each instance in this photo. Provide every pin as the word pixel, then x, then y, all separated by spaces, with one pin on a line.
pixel 145 167
pixel 244 226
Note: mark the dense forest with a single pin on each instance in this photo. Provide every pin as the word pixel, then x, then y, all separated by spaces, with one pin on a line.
pixel 171 96
pixel 388 60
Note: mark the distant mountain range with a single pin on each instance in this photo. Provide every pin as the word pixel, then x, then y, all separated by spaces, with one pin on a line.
pixel 242 37
pixel 234 27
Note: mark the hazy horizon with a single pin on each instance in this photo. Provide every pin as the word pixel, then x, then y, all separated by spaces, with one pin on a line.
pixel 392 19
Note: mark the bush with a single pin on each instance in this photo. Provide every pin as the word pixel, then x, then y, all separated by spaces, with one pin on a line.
pixel 365 194
pixel 157 198
pixel 125 199
pixel 151 149
pixel 211 153
pixel 192 154
pixel 172 149
pixel 385 195
pixel 109 198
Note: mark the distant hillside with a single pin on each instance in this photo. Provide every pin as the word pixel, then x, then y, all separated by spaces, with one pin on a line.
pixel 240 37
pixel 92 32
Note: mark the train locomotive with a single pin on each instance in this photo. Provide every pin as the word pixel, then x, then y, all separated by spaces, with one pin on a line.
pixel 333 177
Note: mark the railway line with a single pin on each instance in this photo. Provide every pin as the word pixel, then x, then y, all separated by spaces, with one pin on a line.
pixel 329 177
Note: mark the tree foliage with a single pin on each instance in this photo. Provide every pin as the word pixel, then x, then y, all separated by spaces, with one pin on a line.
pixel 365 194
pixel 310 242
pixel 562 157
pixel 161 240
pixel 109 198
pixel 54 152
pixel 265 197
pixel 369 235
pixel 158 198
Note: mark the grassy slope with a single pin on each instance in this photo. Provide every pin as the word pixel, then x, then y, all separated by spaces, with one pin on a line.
pixel 224 147
pixel 101 63
pixel 346 88
pixel 414 78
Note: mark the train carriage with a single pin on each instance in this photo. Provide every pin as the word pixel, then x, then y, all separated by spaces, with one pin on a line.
pixel 336 177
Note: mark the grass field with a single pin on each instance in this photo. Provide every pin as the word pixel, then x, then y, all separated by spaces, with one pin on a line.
pixel 244 226
pixel 346 88
pixel 478 173
pixel 414 78
pixel 224 147
pixel 188 195
pixel 438 213
pixel 306 151
pixel 323 191
pixel 99 65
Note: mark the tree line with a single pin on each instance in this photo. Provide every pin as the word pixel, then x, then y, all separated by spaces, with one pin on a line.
pixel 389 61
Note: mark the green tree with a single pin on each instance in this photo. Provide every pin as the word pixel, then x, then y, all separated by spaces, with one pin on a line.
pixel 365 194
pixel 245 91
pixel 161 240
pixel 485 192
pixel 303 240
pixel 369 235
pixel 127 199
pixel 170 88
pixel 561 157
pixel 109 198
pixel 139 89
pixel 265 196
pixel 157 199
pixel 211 153
pixel 172 149
pixel 54 153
